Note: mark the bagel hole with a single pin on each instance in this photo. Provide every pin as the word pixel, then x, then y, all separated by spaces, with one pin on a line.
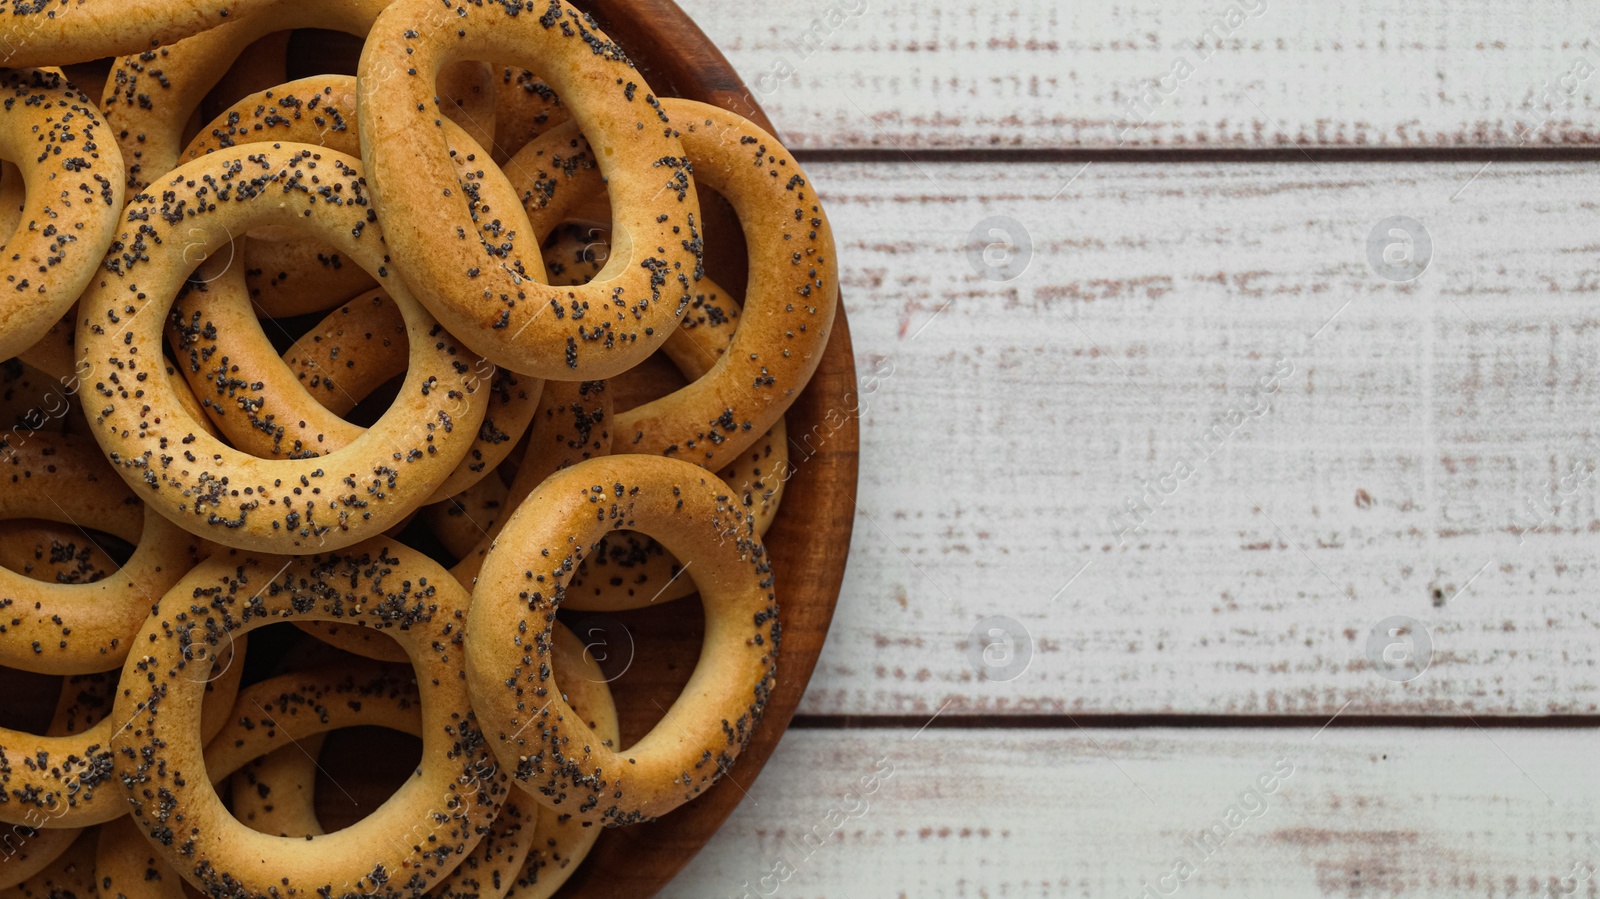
pixel 60 553
pixel 373 405
pixel 419 535
pixel 30 699
pixel 359 769
pixel 651 379
pixel 647 656
pixel 284 330
pixel 31 401
pixel 727 256
pixel 320 51
pixel 282 646
pixel 260 66
pixel 90 77
pixel 13 196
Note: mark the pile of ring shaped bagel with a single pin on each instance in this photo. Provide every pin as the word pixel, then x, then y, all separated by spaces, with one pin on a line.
pixel 409 361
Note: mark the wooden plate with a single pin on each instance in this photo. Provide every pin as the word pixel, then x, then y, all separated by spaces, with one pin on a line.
pixel 651 652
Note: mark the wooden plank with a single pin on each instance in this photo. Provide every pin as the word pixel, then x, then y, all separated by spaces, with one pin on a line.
pixel 1434 813
pixel 1235 73
pixel 1401 467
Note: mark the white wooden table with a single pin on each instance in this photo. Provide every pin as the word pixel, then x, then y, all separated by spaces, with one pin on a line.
pixel 1189 243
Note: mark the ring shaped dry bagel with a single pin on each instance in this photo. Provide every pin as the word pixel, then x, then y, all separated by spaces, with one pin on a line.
pixel 58 32
pixel 72 200
pixel 151 95
pixel 483 279
pixel 553 754
pixel 357 694
pixel 201 483
pixel 76 628
pixel 66 780
pixel 790 297
pixel 299 422
pixel 24 852
pixel 292 275
pixel 270 749
pixel 417 836
pixel 270 414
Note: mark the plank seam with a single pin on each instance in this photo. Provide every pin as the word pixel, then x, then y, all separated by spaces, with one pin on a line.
pixel 1306 155
pixel 1191 722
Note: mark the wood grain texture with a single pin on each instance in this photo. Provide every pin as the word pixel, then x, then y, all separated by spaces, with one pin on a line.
pixel 1404 467
pixel 1095 813
pixel 921 74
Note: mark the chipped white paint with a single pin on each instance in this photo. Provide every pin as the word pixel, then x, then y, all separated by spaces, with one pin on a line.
pixel 1401 466
pixel 1224 73
pixel 1102 814
pixel 1197 450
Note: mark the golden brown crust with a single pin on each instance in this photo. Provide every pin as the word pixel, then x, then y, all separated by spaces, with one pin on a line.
pixel 78 627
pixel 202 484
pixel 487 287
pixel 58 32
pixel 66 780
pixel 151 95
pixel 442 812
pixel 790 298
pixel 522 583
pixel 309 703
pixel 69 212
pixel 85 699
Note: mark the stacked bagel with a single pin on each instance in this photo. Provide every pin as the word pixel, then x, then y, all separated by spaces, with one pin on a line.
pixel 410 360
